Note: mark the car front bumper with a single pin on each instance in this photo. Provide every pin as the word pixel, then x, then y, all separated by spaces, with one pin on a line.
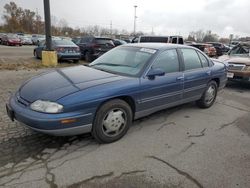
pixel 240 75
pixel 50 123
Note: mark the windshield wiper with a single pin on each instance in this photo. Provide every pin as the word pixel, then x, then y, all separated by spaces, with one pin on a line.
pixel 112 64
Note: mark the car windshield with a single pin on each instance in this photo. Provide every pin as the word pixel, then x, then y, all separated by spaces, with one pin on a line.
pixel 12 37
pixel 128 61
pixel 240 50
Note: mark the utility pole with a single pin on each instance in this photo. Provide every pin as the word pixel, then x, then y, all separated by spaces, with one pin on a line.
pixel 37 25
pixel 47 25
pixel 111 28
pixel 135 20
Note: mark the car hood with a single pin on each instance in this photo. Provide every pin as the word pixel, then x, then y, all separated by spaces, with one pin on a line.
pixel 56 84
pixel 235 59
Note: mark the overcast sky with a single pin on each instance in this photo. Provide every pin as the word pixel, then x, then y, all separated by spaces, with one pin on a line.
pixel 164 16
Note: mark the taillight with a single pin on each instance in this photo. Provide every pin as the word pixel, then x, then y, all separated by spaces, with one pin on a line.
pixel 60 49
pixel 96 45
pixel 77 49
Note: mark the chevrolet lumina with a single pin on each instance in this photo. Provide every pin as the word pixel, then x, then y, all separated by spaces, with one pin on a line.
pixel 124 84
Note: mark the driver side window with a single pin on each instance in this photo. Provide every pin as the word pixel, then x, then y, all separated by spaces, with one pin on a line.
pixel 167 61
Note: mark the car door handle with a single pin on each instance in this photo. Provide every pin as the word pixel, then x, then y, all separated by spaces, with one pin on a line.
pixel 180 78
pixel 208 72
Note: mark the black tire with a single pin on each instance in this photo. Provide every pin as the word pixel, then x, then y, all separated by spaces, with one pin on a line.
pixel 107 133
pixel 209 95
pixel 87 56
pixel 75 61
pixel 35 54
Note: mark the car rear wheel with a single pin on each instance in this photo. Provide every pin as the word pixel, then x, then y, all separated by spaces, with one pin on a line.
pixel 112 121
pixel 208 96
pixel 35 54
pixel 87 57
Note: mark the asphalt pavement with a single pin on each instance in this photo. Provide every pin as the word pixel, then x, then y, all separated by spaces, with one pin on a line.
pixel 179 147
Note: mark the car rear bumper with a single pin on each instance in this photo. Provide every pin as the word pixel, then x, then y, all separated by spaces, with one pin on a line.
pixel 50 123
pixel 15 43
pixel 69 56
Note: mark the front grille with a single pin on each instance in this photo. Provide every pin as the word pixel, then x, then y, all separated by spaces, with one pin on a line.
pixel 232 66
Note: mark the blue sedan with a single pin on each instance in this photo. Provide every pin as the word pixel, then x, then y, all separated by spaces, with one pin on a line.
pixel 65 49
pixel 126 83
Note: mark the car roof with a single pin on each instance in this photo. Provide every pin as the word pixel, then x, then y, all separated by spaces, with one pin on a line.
pixel 156 46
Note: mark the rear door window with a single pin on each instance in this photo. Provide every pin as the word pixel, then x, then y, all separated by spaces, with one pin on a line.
pixel 191 59
pixel 180 41
pixel 154 39
pixel 174 40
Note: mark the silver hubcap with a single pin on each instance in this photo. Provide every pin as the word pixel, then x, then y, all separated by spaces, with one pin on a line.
pixel 210 94
pixel 114 122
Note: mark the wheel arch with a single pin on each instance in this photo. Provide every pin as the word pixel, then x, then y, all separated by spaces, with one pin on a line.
pixel 126 98
pixel 217 80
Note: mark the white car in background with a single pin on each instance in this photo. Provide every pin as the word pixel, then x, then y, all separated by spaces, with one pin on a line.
pixel 26 40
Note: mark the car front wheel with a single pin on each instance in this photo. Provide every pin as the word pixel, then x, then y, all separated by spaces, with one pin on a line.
pixel 112 121
pixel 208 96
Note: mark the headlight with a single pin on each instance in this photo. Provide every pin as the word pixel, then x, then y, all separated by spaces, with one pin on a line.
pixel 46 106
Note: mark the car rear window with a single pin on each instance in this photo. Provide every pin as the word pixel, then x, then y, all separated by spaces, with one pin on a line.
pixel 104 41
pixel 63 42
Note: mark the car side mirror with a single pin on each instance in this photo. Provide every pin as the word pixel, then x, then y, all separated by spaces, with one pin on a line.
pixel 152 73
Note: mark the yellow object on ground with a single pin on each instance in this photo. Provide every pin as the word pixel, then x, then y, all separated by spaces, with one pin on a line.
pixel 49 58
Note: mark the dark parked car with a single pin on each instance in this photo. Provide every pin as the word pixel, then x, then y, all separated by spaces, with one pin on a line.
pixel 126 83
pixel 11 40
pixel 161 39
pixel 118 42
pixel 238 62
pixel 1 35
pixel 76 40
pixel 206 48
pixel 93 47
pixel 66 50
pixel 220 48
